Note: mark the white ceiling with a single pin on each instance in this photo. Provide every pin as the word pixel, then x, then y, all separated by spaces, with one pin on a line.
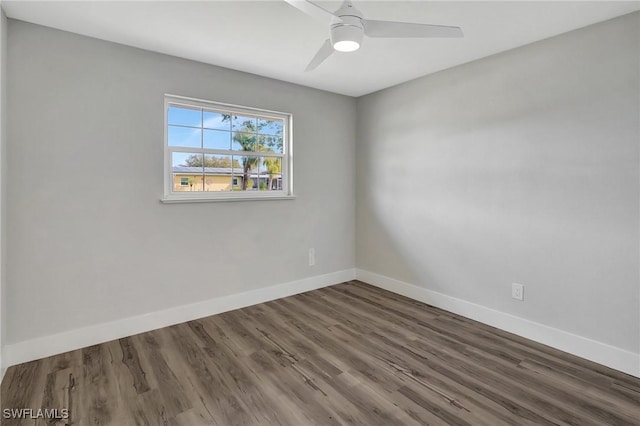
pixel 273 39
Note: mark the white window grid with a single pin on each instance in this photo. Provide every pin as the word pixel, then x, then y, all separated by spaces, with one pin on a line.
pixel 286 190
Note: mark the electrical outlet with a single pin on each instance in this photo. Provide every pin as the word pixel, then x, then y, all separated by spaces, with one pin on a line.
pixel 517 291
pixel 312 256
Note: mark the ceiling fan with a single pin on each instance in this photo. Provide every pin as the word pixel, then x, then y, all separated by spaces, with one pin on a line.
pixel 347 26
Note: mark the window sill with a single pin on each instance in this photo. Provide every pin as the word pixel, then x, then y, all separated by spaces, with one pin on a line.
pixel 178 200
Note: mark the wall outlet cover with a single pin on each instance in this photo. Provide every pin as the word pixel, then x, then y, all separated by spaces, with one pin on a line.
pixel 517 291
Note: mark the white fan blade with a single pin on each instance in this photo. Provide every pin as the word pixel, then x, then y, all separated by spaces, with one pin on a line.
pixel 325 51
pixel 316 12
pixel 408 30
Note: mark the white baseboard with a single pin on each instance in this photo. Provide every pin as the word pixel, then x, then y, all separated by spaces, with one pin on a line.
pixel 602 353
pixel 17 353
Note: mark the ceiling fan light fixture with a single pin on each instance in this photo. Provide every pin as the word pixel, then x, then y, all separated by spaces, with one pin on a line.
pixel 346 38
pixel 346 46
pixel 348 26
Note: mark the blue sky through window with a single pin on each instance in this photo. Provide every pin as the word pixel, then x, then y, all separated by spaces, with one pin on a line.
pixel 198 128
pixel 214 120
pixel 185 117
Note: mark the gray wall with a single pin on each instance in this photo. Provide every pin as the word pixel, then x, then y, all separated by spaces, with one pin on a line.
pixel 521 167
pixel 89 240
pixel 3 170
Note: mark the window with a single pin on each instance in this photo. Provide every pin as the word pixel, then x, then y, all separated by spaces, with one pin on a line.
pixel 216 151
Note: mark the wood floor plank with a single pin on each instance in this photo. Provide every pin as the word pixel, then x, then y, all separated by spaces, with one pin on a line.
pixel 212 389
pixel 23 386
pixel 167 384
pixel 346 354
pixel 131 360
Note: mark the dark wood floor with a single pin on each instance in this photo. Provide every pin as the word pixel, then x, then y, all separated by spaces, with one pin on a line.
pixel 348 354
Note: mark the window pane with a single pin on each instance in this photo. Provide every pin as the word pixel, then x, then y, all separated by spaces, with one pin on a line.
pixel 185 116
pixel 248 181
pixel 185 136
pixel 270 143
pixel 245 142
pixel 187 168
pixel 271 173
pixel 218 172
pixel 219 161
pixel 236 164
pixel 217 139
pixel 243 124
pixel 261 175
pixel 238 170
pixel 270 127
pixel 215 120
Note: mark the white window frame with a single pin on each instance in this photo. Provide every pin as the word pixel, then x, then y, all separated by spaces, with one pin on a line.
pixel 171 196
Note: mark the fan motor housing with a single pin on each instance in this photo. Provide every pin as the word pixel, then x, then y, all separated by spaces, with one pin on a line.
pixel 348 32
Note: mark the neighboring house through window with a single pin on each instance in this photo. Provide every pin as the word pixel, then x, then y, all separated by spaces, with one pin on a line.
pixel 217 151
